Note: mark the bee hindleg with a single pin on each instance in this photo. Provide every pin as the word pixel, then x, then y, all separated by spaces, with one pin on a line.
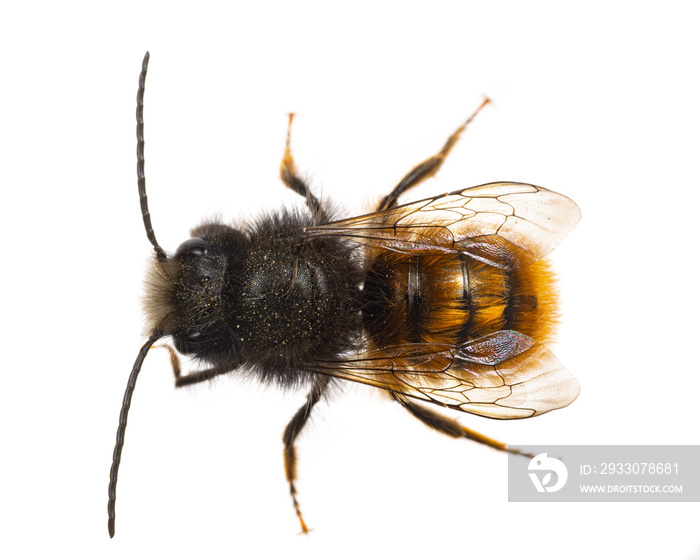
pixel 427 168
pixel 450 427
pixel 290 177
pixel 291 432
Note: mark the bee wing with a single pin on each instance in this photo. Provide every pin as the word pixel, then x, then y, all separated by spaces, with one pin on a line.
pixel 503 375
pixel 508 225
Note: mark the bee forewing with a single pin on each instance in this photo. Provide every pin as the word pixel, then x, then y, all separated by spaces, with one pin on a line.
pixel 522 222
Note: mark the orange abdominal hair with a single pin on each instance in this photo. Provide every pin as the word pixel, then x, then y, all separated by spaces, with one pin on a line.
pixel 453 298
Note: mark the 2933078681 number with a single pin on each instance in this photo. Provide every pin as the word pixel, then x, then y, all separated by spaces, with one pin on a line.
pixel 638 468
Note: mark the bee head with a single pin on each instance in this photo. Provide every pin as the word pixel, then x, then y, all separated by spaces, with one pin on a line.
pixel 186 294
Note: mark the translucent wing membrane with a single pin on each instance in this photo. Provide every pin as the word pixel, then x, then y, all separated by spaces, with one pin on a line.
pixel 507 225
pixel 504 375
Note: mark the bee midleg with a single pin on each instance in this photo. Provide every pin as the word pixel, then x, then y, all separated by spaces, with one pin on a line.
pixel 427 168
pixel 291 432
pixel 450 427
pixel 290 177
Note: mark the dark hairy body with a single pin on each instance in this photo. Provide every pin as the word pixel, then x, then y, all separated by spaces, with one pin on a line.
pixel 266 298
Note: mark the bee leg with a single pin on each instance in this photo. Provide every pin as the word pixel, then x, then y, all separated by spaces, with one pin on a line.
pixel 451 427
pixel 174 360
pixel 290 434
pixel 195 377
pixel 203 375
pixel 428 167
pixel 290 177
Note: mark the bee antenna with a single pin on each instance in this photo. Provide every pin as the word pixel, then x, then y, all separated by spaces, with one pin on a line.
pixel 140 161
pixel 121 430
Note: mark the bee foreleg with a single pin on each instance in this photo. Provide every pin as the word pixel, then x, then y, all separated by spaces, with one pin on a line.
pixel 290 177
pixel 195 377
pixel 450 427
pixel 427 168
pixel 291 432
pixel 203 375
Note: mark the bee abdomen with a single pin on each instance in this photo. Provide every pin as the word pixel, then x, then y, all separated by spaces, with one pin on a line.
pixel 453 298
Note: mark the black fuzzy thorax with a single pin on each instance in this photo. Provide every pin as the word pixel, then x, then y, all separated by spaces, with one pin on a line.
pixel 292 300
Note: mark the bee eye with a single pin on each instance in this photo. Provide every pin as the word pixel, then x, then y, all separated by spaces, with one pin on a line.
pixel 189 343
pixel 193 337
pixel 195 247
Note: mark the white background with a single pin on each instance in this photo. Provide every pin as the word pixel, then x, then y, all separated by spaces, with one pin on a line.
pixel 597 100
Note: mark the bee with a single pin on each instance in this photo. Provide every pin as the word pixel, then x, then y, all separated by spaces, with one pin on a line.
pixel 445 301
